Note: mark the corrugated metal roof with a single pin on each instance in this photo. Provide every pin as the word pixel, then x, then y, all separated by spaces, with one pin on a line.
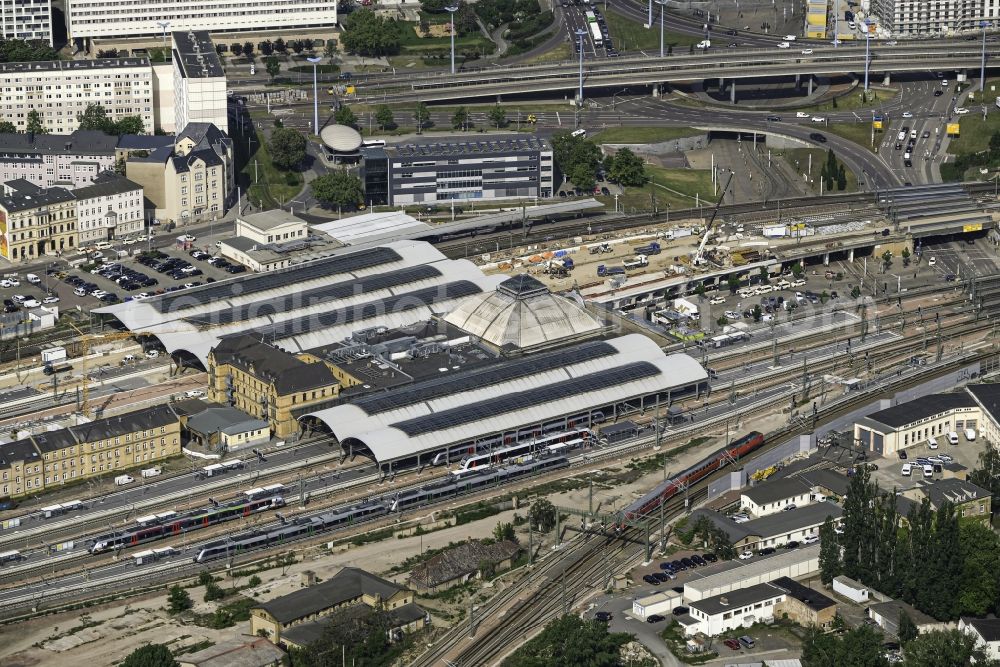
pixel 387 442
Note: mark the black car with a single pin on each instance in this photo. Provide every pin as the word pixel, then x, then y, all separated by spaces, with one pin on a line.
pixel 605 191
pixel 677 565
pixel 651 580
pixel 689 563
pixel 699 560
pixel 711 558
pixel 767 551
pixel 792 545
pixel 666 567
pixel 110 297
pixel 661 577
pixel 236 268
pixel 680 610
pixel 816 136
pixel 655 618
pixel 603 616
pixel 907 163
pixel 774 119
pixel 938 93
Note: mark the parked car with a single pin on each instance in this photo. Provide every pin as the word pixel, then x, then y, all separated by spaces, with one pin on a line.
pixel 680 610
pixel 649 579
pixel 711 558
pixel 732 643
pixel 604 616
pixel 655 618
pixel 746 555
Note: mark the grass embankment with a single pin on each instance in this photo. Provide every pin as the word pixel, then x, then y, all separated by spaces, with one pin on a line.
pixel 631 36
pixel 859 133
pixel 676 188
pixel 643 135
pixel 853 101
pixel 269 187
pixel 799 159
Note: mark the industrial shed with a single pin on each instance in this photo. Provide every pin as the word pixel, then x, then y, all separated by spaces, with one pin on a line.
pixel 311 304
pixel 792 563
pixel 572 387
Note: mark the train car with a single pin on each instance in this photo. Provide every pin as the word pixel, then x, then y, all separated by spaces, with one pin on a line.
pixel 154 528
pixel 666 490
pixel 570 439
pixel 10 556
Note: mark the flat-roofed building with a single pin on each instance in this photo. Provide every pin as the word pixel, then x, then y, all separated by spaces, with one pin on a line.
pixel 116 18
pixel 730 611
pixel 27 19
pixel 61 90
pixel 721 578
pixel 775 495
pixel 491 168
pixel 199 81
pixel 922 421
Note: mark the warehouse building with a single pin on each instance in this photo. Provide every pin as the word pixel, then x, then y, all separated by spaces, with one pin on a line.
pixel 777 529
pixel 775 496
pixel 922 421
pixel 735 575
pixel 495 167
pixel 546 392
pixel 309 305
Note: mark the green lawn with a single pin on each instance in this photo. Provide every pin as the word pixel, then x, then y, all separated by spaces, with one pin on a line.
pixel 629 35
pixel 674 187
pixel 853 102
pixel 643 135
pixel 561 53
pixel 859 133
pixel 975 133
pixel 269 186
pixel 799 158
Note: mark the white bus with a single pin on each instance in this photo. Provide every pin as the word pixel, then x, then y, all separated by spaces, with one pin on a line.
pixel 595 33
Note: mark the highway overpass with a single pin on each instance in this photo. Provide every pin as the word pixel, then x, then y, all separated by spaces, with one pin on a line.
pixel 799 59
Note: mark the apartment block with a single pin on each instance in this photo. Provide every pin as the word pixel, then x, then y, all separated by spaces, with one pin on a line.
pixel 27 20
pixel 87 19
pixel 60 90
pixel 906 18
pixel 496 167
pixel 199 81
pixel 110 208
pixel 109 445
pixel 35 222
pixel 47 160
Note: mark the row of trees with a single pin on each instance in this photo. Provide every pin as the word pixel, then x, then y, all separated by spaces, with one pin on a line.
pixel 863 647
pixel 94 118
pixel 833 171
pixel 368 34
pixel 570 641
pixel 21 51
pixel 941 565
pixel 579 158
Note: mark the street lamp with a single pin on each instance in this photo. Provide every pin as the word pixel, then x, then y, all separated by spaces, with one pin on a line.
pixel 315 61
pixel 982 66
pixel 649 21
pixel 868 40
pixel 580 32
pixel 451 10
pixel 163 26
pixel 663 9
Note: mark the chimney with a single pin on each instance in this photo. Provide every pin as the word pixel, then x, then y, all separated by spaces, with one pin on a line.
pixel 724 601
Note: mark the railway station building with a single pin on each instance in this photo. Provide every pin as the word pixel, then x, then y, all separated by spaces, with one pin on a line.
pixel 572 387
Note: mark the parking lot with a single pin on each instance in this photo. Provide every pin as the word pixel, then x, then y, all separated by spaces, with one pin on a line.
pixel 890 468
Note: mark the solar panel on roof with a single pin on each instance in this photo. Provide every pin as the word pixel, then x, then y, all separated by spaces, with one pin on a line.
pixel 355 261
pixel 342 290
pixel 395 304
pixel 459 382
pixel 482 410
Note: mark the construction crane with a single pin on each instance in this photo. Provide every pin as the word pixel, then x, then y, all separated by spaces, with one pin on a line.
pixel 708 226
pixel 86 343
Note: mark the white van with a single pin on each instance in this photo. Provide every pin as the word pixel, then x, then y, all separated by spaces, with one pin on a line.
pixel 970 434
pixel 932 443
pixel 578 133
pixel 907 469
pixel 33 279
pixel 103 245
pixel 150 472
pixel 901 136
pixel 952 438
pixel 810 539
pixel 122 480
pixel 129 359
pixel 928 471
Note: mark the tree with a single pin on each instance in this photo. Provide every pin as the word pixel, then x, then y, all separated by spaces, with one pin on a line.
pixel 368 34
pixel 577 158
pixel 946 563
pixel 330 50
pixel 757 313
pixel 337 188
pixel 248 50
pixel 345 116
pixel 384 117
pixel 542 515
pixel 498 116
pixel 288 148
pixel 886 259
pixel 907 629
pixel 829 552
pixel 945 648
pixel 107 53
pixel 627 169
pixel 765 275
pixel 986 475
pixel 504 531
pixel 129 125
pixel 734 283
pixel 570 641
pixel 266 48
pixel 272 66
pixel 178 600
pixel 421 114
pixel 298 46
pixel 7 127
pixel 433 6
pixel 150 655
pixel 465 19
pixel 699 290
pixel 460 121
pixel 95 117
pixel 280 46
pixel 797 270
pixel 905 254
pixel 214 592
pixel 425 26
pixel 841 177
pixel 859 647
pixel 35 125
pixel 21 51
pixel 236 48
